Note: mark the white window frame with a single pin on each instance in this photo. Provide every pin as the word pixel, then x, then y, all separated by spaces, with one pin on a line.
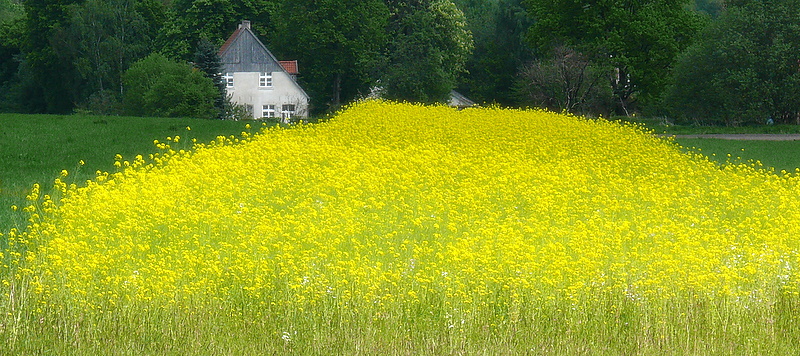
pixel 228 78
pixel 288 111
pixel 268 110
pixel 265 80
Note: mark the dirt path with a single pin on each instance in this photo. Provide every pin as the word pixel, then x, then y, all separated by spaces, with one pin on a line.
pixel 753 137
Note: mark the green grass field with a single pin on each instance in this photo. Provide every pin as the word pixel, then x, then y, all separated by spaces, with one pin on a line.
pixel 780 155
pixel 35 148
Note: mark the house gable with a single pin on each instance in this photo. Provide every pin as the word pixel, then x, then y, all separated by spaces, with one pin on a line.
pixel 244 52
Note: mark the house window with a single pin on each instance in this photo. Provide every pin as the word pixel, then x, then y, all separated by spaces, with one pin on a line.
pixel 228 78
pixel 287 111
pixel 268 111
pixel 265 80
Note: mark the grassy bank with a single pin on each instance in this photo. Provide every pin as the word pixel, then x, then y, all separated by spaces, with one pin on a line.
pixel 35 148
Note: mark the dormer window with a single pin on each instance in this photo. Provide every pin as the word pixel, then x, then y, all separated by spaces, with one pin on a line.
pixel 228 78
pixel 265 80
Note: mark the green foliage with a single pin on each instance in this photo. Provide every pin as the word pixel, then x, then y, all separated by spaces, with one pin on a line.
pixel 745 69
pixel 10 10
pixel 51 82
pixel 10 34
pixel 72 53
pixel 498 29
pixel 196 19
pixel 640 39
pixel 428 49
pixel 712 8
pixel 157 86
pixel 338 43
pixel 192 20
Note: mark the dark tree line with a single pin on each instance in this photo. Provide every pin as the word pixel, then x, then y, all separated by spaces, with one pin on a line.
pixel 726 62
pixel 63 55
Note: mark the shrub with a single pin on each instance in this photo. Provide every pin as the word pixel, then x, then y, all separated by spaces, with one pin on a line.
pixel 157 86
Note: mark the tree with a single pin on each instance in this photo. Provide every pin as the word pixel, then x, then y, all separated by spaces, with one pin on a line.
pixel 196 19
pixel 74 52
pixel 711 8
pixel 428 49
pixel 207 60
pixel 745 68
pixel 158 86
pixel 10 35
pixel 51 79
pixel 566 82
pixel 639 38
pixel 338 43
pixel 102 38
pixel 498 28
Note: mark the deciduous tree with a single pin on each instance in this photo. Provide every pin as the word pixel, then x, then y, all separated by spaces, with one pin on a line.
pixel 498 28
pixel 52 80
pixel 565 82
pixel 745 68
pixel 338 44
pixel 102 38
pixel 428 50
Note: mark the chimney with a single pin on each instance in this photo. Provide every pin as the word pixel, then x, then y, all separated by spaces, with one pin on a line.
pixel 245 24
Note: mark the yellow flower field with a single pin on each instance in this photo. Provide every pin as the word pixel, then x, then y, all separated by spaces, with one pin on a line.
pixel 392 205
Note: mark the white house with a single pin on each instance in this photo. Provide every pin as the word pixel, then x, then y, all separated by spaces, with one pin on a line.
pixel 254 78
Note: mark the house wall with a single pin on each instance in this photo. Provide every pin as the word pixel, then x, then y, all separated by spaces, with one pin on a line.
pixel 283 91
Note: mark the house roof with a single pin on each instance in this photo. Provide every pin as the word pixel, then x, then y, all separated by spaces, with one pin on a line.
pixel 228 43
pixel 290 66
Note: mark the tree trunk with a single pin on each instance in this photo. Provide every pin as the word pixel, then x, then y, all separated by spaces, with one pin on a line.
pixel 337 90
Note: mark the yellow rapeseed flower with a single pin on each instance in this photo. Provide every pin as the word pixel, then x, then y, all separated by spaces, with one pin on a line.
pixel 377 207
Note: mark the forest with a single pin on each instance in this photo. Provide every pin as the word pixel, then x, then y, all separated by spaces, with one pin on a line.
pixel 701 62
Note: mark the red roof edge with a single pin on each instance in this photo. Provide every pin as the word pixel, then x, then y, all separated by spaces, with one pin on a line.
pixel 290 66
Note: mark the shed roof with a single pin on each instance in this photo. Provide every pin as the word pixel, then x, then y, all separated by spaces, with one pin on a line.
pixel 290 66
pixel 459 100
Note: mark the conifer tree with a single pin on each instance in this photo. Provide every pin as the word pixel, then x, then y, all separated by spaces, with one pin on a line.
pixel 207 59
